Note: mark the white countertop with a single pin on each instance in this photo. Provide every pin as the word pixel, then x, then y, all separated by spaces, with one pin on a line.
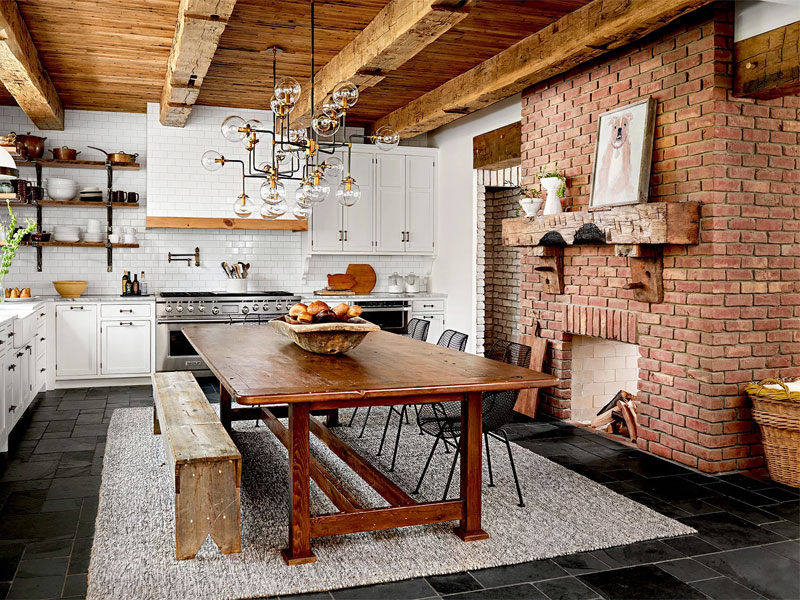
pixel 109 298
pixel 378 296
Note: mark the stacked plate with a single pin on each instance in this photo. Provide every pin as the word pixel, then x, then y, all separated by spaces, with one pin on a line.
pixel 91 194
pixel 67 233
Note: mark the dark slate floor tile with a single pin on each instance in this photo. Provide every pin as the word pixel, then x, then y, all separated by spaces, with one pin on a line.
pixel 759 516
pixel 637 554
pixel 453 583
pixel 66 445
pixel 787 529
pixel 645 582
pixel 42 567
pixel 521 591
pixel 60 426
pixel 768 573
pixel 409 589
pixel 4 587
pixel 790 549
pixel 697 506
pixel 75 585
pixel 743 481
pixel 61 505
pixel 786 510
pixel 687 569
pixel 691 545
pixel 25 501
pixel 658 505
pixel 33 527
pixel 81 552
pixel 74 487
pixel 741 494
pixel 20 471
pixel 84 404
pixel 35 588
pixel 726 531
pixel 566 588
pixel 10 555
pixel 520 573
pixel 89 419
pixel 581 563
pixel 89 430
pixel 723 588
pixel 312 596
pixel 48 549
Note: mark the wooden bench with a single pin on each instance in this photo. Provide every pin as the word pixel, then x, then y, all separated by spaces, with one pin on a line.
pixel 204 462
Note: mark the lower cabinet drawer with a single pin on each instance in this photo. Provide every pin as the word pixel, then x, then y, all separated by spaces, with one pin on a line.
pixel 427 306
pixel 119 311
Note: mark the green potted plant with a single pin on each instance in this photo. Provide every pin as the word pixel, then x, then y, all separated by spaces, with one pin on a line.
pixel 531 200
pixel 555 184
pixel 13 238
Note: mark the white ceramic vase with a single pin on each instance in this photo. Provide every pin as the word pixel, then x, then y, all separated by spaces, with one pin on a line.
pixel 530 206
pixel 552 205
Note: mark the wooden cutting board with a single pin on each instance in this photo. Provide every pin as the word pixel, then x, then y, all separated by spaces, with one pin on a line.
pixel 528 400
pixel 341 281
pixel 365 278
pixel 330 292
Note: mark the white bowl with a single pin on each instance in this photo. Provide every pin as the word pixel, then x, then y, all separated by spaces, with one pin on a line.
pixel 60 181
pixel 62 192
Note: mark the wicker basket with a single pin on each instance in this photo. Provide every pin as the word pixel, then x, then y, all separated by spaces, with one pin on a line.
pixel 777 412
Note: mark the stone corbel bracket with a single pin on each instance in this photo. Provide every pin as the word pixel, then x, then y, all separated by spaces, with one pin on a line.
pixel 636 230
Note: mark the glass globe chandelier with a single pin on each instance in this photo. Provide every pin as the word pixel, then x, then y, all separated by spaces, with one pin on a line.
pixel 297 154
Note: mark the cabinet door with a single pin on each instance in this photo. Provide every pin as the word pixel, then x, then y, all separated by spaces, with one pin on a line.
pixel 30 373
pixel 391 204
pixel 435 329
pixel 420 206
pixel 6 415
pixel 11 393
pixel 326 225
pixel 76 340
pixel 359 219
pixel 125 347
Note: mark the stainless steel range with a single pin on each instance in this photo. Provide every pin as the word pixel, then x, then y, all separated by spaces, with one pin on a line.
pixel 174 310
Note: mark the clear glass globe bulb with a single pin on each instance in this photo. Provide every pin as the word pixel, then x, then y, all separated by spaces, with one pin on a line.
pixel 325 126
pixel 301 213
pixel 348 193
pixel 332 168
pixel 272 194
pixel 298 134
pixel 275 106
pixel 282 157
pixel 386 138
pixel 264 166
pixel 301 197
pixel 287 90
pixel 209 160
pixel 332 110
pixel 253 124
pixel 345 94
pixel 319 191
pixel 242 206
pixel 273 211
pixel 230 129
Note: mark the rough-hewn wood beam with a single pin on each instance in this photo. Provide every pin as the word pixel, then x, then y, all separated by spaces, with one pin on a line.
pixel 498 149
pixel 401 30
pixel 583 34
pixel 23 74
pixel 767 66
pixel 197 32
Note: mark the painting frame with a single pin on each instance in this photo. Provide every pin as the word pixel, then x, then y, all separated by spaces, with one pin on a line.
pixel 598 199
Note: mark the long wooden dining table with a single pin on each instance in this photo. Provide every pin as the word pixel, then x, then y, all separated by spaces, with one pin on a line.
pixel 257 367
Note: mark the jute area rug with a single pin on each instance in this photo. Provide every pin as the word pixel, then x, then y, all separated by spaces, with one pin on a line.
pixel 133 555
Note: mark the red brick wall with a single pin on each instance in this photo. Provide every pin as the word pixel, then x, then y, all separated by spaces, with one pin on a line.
pixel 731 310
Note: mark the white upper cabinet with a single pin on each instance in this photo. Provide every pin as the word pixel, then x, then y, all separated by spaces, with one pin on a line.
pixel 397 209
pixel 420 193
pixel 391 202
pixel 76 340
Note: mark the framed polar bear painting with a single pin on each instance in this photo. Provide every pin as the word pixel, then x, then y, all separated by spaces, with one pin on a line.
pixel 622 155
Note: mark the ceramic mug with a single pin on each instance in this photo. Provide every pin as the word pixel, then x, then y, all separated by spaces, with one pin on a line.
pixel 118 196
pixel 129 238
pixel 133 196
pixel 114 238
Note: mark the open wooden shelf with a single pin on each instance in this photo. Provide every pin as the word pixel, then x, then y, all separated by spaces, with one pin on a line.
pixel 78 164
pixel 77 203
pixel 81 244
pixel 225 223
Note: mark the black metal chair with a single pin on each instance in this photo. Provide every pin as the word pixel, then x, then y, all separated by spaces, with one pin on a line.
pixel 417 329
pixel 443 420
pixel 450 338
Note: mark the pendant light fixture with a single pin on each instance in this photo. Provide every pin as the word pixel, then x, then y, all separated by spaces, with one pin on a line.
pixel 296 154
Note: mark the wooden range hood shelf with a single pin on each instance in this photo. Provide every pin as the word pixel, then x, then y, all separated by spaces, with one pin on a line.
pixel 224 223
pixel 636 231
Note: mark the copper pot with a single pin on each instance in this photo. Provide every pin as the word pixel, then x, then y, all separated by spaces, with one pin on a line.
pixel 122 157
pixel 64 153
pixel 33 144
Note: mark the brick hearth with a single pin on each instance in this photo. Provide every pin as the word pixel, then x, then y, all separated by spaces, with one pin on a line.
pixel 731 309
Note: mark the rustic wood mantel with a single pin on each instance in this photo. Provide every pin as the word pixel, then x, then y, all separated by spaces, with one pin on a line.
pixel 636 231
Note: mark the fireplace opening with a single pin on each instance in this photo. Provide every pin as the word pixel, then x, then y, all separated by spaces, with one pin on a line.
pixel 600 369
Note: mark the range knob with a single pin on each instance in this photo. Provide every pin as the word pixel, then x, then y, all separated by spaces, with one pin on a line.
pixel 201 308
pixel 278 307
pixel 266 307
pixel 168 309
pixel 215 310
pixel 179 309
pixel 245 310
pixel 255 307
pixel 190 308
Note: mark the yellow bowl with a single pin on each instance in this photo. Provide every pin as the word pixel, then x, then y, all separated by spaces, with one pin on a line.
pixel 70 289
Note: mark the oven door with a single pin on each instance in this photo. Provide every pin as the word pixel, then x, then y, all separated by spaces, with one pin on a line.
pixel 173 350
pixel 388 318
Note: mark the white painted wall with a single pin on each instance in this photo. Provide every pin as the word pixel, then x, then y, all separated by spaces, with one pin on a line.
pixel 453 272
pixel 754 17
pixel 171 176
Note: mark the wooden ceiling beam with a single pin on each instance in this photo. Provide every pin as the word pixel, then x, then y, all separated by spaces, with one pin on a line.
pixel 767 66
pixel 22 73
pixel 197 32
pixel 498 149
pixel 400 31
pixel 581 35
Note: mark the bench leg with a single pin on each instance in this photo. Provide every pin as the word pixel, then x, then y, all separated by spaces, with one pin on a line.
pixel 156 424
pixel 207 502
pixel 299 550
pixel 225 407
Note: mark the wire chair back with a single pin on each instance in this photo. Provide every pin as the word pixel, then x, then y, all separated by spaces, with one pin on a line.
pixel 453 339
pixel 417 329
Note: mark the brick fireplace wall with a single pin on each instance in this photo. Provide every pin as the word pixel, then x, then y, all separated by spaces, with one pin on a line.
pixel 731 309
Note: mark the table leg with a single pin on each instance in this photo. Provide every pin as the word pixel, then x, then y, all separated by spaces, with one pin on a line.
pixel 225 407
pixel 299 550
pixel 469 529
pixel 332 418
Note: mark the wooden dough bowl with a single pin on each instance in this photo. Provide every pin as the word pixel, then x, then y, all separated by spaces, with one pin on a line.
pixel 326 338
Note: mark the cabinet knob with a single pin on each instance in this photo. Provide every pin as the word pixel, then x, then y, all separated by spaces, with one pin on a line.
pixel 41 314
pixel 11 334
pixel 76 308
pixel 20 354
pixel 40 339
pixel 43 369
pixel 12 408
pixel 127 324
pixel 12 367
pixel 128 310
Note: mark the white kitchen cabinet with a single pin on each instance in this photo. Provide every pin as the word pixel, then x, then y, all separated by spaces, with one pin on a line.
pixel 76 340
pixel 11 389
pixel 420 192
pixel 391 218
pixel 326 225
pixel 125 347
pixel 436 328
